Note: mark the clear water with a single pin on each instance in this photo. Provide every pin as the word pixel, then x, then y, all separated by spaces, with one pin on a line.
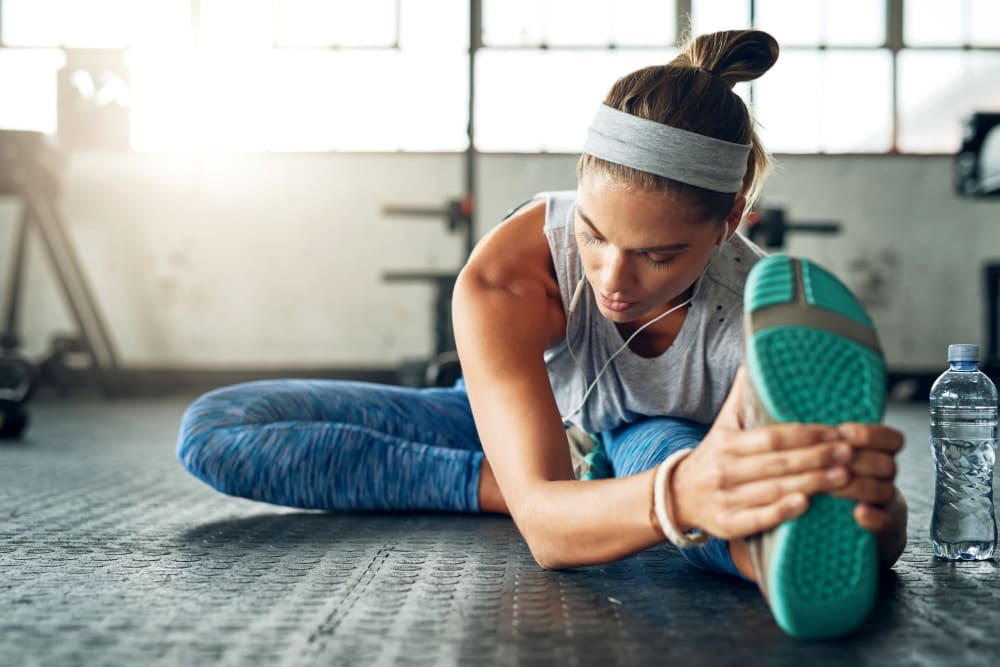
pixel 963 441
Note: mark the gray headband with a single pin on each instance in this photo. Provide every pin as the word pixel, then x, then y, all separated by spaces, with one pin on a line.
pixel 667 151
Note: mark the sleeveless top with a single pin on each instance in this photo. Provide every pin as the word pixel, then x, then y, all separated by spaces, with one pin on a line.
pixel 690 380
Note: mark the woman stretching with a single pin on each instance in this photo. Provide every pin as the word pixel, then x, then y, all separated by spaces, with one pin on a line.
pixel 635 371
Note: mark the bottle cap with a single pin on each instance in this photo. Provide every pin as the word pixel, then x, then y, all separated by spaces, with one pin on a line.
pixel 963 353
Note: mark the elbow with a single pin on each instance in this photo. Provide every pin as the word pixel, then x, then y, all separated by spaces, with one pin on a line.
pixel 545 547
pixel 547 559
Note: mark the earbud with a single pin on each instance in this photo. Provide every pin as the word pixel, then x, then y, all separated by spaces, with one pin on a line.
pixel 586 394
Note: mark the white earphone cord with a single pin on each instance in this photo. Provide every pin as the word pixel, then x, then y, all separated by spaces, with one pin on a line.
pixel 569 348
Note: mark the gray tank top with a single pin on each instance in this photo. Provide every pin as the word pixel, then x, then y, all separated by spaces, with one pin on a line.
pixel 690 380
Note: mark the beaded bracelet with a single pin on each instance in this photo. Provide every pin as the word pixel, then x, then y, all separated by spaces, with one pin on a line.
pixel 661 483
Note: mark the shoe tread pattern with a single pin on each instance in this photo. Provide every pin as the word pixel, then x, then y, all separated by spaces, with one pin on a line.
pixel 823 576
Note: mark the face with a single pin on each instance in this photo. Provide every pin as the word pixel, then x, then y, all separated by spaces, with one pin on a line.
pixel 641 250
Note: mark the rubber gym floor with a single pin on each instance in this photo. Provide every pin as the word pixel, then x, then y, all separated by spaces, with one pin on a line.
pixel 112 554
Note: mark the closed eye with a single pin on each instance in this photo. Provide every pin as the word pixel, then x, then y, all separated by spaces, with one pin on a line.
pixel 658 261
pixel 588 238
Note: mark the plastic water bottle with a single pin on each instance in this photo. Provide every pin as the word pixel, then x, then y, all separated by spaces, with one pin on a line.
pixel 964 444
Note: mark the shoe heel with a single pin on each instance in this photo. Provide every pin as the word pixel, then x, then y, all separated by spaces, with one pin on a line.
pixel 824 571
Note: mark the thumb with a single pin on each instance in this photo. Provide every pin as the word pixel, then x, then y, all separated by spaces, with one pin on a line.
pixel 731 414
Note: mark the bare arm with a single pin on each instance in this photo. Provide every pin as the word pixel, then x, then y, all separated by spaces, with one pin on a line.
pixel 507 311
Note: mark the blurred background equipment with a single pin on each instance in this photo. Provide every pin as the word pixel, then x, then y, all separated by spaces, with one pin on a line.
pixel 977 164
pixel 442 369
pixel 977 175
pixel 769 226
pixel 28 171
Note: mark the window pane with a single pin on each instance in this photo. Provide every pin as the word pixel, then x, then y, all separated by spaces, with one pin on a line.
pixel 788 103
pixel 28 87
pixel 798 22
pixel 854 22
pixel 791 22
pixel 567 87
pixel 937 89
pixel 299 100
pixel 826 101
pixel 96 23
pixel 335 22
pixel 183 100
pixel 434 25
pixel 643 22
pixel 714 15
pixel 957 23
pixel 984 23
pixel 513 22
pixel 857 101
pixel 931 23
pixel 577 23
pixel 236 24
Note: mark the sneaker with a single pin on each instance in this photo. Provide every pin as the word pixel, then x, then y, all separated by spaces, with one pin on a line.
pixel 812 356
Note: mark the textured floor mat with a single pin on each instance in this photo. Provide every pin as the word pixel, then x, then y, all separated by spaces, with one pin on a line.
pixel 112 555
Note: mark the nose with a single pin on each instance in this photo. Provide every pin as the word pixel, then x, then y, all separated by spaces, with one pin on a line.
pixel 616 272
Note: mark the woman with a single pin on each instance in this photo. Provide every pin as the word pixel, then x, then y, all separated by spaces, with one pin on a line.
pixel 613 315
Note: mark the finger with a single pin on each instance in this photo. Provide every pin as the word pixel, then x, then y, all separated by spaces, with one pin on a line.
pixel 752 521
pixel 870 517
pixel 766 492
pixel 743 469
pixel 872 436
pixel 781 437
pixel 867 463
pixel 868 490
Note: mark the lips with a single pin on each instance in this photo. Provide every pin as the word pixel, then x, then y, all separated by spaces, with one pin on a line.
pixel 612 304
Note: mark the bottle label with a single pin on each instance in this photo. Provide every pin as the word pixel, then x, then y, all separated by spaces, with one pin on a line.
pixel 964 431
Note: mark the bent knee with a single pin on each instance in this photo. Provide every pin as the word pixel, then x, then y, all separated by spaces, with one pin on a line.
pixel 202 424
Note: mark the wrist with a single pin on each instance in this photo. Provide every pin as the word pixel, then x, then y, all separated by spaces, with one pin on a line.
pixel 663 504
pixel 678 508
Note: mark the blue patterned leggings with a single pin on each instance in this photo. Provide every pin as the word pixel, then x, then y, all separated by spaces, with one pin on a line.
pixel 333 445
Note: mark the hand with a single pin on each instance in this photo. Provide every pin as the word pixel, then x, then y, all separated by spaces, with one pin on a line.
pixel 741 482
pixel 873 471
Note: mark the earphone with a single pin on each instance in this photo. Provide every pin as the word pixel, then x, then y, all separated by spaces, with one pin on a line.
pixel 574 302
pixel 569 311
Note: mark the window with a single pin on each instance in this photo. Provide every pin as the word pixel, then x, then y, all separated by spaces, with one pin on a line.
pixel 865 76
pixel 949 68
pixel 546 65
pixel 831 57
pixel 287 75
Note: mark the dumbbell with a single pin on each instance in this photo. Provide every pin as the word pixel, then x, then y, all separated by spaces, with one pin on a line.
pixel 17 376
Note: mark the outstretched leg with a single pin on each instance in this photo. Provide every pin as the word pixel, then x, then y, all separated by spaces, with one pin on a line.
pixel 321 444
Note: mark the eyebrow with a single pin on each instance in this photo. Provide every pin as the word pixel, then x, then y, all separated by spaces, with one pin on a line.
pixel 660 248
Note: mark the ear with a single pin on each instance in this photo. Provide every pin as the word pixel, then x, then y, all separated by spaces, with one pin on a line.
pixel 734 218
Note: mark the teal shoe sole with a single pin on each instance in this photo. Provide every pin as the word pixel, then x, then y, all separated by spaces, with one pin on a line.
pixel 813 357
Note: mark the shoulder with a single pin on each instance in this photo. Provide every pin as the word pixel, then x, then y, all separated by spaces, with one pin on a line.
pixel 509 283
pixel 515 250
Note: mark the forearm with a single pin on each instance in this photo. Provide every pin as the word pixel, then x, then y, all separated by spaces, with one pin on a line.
pixel 573 523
